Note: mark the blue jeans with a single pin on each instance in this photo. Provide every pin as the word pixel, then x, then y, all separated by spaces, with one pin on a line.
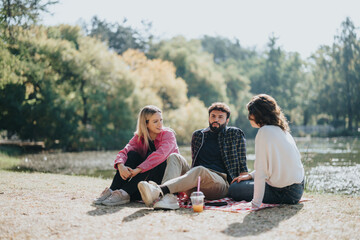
pixel 244 190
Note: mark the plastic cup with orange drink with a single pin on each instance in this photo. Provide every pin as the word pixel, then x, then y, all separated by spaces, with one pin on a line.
pixel 197 201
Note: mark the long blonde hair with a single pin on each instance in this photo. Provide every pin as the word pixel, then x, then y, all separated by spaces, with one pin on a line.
pixel 143 118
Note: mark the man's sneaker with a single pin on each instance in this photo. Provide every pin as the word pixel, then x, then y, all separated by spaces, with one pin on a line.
pixel 118 197
pixel 169 201
pixel 149 191
pixel 104 195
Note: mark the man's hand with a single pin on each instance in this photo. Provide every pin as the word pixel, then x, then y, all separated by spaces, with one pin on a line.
pixel 242 178
pixel 124 171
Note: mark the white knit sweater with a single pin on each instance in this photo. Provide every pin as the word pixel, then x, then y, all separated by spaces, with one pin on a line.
pixel 277 161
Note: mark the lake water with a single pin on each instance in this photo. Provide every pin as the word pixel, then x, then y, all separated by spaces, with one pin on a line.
pixel 332 165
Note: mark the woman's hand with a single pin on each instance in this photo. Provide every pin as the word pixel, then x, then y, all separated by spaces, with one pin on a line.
pixel 124 171
pixel 135 171
pixel 242 178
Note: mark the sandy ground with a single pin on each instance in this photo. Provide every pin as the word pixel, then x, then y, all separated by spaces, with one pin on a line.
pixel 51 206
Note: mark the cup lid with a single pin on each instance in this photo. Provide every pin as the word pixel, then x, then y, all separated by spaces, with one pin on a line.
pixel 197 194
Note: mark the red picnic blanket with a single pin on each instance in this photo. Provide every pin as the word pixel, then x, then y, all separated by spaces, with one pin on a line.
pixel 231 205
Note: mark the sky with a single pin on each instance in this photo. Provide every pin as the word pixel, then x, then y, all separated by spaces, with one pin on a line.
pixel 301 26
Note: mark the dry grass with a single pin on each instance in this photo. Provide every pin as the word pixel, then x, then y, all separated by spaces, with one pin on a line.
pixel 50 206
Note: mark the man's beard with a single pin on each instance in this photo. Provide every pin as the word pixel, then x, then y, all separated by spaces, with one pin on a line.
pixel 217 127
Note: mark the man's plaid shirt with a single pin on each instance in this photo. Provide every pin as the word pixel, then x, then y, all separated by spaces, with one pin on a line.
pixel 232 147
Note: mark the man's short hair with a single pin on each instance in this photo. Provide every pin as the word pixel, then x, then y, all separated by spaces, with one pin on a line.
pixel 220 107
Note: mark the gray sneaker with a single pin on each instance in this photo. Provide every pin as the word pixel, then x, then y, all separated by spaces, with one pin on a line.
pixel 118 197
pixel 169 201
pixel 149 191
pixel 104 195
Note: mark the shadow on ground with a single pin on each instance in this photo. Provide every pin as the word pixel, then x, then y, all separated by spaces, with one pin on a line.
pixel 103 210
pixel 262 221
pixel 138 214
pixel 143 212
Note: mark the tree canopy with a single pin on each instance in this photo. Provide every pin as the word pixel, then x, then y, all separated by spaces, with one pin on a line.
pixel 82 88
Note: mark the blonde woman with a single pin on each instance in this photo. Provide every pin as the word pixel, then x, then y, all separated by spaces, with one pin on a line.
pixel 279 174
pixel 143 158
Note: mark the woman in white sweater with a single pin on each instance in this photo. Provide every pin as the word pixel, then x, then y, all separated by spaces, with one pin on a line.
pixel 279 174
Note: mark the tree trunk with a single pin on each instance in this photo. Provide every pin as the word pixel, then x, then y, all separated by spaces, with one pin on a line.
pixel 84 98
pixel 348 100
pixel 306 117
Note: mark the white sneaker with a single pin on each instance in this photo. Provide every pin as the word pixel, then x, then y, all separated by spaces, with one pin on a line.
pixel 118 197
pixel 149 191
pixel 104 195
pixel 169 201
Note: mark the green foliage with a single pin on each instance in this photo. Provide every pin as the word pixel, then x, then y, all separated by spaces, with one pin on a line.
pixel 195 66
pixel 281 75
pixel 237 65
pixel 16 13
pixel 337 69
pixel 156 82
pixel 186 119
pixel 224 50
pixel 269 80
pixel 119 37
pixel 347 54
pixel 69 83
pixel 7 161
pixel 35 110
pixel 74 91
pixel 10 107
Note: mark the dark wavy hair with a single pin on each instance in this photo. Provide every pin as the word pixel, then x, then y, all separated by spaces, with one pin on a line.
pixel 265 111
pixel 220 107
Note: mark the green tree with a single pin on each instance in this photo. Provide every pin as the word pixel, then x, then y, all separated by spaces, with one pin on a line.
pixel 156 82
pixel 72 90
pixel 236 64
pixel 189 117
pixel 224 50
pixel 269 81
pixel 329 98
pixel 280 75
pixel 24 13
pixel 346 54
pixel 99 83
pixel 193 65
pixel 29 105
pixel 337 69
pixel 120 37
pixel 237 90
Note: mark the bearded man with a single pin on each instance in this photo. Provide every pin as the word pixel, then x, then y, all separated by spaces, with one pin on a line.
pixel 218 157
